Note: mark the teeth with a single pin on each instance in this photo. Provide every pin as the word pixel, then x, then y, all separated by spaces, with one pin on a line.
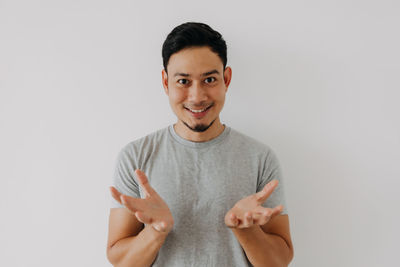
pixel 197 111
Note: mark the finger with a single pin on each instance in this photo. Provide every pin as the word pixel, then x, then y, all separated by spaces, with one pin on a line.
pixel 247 220
pixel 256 217
pixel 258 213
pixel 265 217
pixel 266 191
pixel 133 204
pixel 232 221
pixel 144 182
pixel 277 210
pixel 142 217
pixel 115 194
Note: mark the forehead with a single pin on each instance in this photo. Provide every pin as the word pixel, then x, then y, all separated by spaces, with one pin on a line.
pixel 194 61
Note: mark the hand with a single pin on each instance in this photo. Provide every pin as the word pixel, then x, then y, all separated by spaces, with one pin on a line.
pixel 150 210
pixel 248 211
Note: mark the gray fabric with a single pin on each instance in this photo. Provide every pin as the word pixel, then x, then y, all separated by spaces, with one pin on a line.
pixel 200 182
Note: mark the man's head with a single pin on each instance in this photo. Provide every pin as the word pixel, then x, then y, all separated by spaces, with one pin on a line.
pixel 193 34
pixel 195 76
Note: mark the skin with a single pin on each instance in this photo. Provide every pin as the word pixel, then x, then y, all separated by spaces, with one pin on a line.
pixel 248 211
pixel 153 210
pixel 191 89
pixel 187 85
pixel 150 210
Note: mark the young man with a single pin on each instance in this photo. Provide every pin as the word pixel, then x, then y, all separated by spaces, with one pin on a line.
pixel 197 193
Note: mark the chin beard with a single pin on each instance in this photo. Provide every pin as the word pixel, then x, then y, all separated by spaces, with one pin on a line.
pixel 199 128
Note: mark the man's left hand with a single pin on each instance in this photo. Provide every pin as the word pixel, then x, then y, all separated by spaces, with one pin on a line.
pixel 248 211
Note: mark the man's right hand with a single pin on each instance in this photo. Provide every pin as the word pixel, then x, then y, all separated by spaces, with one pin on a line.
pixel 151 210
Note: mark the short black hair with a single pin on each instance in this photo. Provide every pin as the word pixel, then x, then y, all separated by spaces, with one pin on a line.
pixel 193 34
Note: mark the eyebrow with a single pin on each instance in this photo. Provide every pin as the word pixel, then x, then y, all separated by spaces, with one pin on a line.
pixel 188 75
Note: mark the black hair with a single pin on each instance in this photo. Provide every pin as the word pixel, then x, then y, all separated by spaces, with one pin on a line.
pixel 193 34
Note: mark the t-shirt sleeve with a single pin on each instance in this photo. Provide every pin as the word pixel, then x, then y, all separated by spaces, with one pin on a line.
pixel 123 178
pixel 272 170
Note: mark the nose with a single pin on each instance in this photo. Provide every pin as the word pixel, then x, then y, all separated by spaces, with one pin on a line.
pixel 197 93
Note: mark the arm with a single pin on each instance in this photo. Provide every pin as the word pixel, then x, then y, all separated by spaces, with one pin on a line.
pixel 138 250
pixel 269 244
pixel 263 235
pixel 128 242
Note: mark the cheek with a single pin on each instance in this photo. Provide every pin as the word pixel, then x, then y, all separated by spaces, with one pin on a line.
pixel 176 97
pixel 219 96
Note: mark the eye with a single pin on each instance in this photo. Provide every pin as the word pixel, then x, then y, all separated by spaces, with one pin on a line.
pixel 210 79
pixel 186 81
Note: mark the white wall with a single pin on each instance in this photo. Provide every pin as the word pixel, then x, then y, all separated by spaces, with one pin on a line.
pixel 318 81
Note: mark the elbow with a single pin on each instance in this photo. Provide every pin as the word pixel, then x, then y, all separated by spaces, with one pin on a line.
pixel 281 261
pixel 289 253
pixel 290 256
pixel 111 256
pixel 286 258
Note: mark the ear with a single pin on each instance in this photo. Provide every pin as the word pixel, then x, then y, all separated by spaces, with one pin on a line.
pixel 164 80
pixel 227 77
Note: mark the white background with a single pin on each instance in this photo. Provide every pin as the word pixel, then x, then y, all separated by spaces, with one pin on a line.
pixel 318 81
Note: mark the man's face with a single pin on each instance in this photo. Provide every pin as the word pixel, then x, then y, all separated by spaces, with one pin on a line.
pixel 196 86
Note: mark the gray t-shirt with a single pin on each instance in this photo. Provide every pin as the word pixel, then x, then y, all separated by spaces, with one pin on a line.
pixel 200 182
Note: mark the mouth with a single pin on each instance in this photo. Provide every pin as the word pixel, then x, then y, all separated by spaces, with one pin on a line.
pixel 199 113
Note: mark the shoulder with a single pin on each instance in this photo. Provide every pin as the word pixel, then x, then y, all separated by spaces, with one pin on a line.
pixel 251 148
pixel 145 143
pixel 248 143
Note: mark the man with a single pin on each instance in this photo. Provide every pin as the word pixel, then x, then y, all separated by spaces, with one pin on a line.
pixel 197 193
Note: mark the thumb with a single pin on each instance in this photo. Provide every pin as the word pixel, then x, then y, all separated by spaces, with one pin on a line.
pixel 144 182
pixel 266 191
pixel 161 227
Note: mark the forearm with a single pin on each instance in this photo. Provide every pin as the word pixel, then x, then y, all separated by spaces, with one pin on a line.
pixel 140 250
pixel 262 249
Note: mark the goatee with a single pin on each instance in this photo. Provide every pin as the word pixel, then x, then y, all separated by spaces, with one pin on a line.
pixel 199 128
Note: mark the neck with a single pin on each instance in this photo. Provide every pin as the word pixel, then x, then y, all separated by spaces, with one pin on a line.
pixel 183 131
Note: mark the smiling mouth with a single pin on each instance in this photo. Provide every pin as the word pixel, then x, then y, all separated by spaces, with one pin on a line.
pixel 198 113
pixel 198 110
